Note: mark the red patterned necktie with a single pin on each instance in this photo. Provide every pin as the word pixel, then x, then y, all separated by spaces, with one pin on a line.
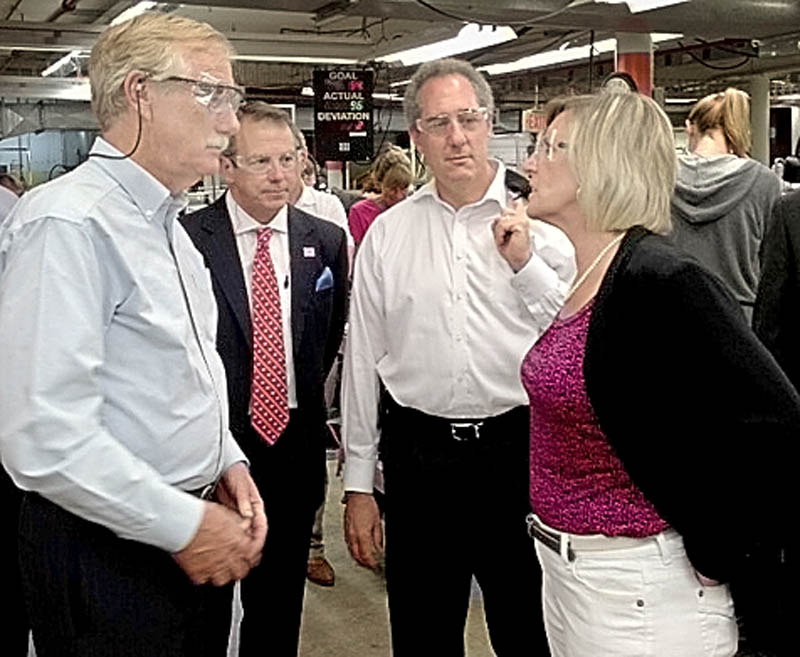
pixel 269 408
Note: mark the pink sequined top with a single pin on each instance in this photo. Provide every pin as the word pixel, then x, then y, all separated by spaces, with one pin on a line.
pixel 578 484
pixel 361 216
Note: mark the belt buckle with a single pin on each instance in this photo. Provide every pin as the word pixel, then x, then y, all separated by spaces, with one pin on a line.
pixel 551 541
pixel 208 491
pixel 464 432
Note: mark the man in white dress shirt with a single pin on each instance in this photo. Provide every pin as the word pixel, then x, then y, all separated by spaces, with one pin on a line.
pixel 113 407
pixel 442 323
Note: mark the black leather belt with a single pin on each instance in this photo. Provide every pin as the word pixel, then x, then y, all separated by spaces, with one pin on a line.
pixel 547 538
pixel 563 543
pixel 467 430
pixel 204 493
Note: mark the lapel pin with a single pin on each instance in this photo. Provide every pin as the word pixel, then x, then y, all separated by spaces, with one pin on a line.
pixel 309 252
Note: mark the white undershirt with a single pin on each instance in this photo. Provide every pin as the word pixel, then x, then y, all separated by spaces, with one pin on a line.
pixel 245 228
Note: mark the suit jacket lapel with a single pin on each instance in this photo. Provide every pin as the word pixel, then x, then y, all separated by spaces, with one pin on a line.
pixel 223 259
pixel 304 269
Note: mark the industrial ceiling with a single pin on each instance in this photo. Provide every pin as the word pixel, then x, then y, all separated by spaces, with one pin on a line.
pixel 713 43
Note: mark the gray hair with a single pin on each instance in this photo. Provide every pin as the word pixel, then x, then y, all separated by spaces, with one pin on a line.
pixel 258 110
pixel 440 68
pixel 148 43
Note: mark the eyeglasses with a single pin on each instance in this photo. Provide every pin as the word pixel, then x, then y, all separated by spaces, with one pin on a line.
pixel 211 93
pixel 548 147
pixel 263 163
pixel 469 120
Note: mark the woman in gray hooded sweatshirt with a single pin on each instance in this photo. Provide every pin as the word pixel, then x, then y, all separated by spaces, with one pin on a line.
pixel 723 200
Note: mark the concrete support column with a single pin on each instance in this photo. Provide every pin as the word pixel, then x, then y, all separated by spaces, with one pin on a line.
pixel 759 118
pixel 634 56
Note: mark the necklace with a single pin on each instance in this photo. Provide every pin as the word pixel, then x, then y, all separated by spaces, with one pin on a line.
pixel 594 264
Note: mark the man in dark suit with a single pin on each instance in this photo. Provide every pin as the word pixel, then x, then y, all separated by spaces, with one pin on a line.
pixel 279 276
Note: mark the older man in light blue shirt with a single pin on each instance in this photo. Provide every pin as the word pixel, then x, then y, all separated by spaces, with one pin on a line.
pixel 113 406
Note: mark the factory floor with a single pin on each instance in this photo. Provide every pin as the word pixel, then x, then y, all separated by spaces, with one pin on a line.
pixel 350 619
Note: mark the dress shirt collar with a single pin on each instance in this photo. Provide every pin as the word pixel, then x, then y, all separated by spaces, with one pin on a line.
pixel 496 192
pixel 151 197
pixel 244 223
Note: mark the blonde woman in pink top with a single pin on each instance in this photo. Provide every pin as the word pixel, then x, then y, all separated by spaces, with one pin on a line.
pixel 660 426
pixel 393 177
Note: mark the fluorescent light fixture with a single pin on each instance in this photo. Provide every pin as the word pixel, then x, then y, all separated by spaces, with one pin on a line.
pixel 680 101
pixel 135 10
pixel 402 83
pixel 637 6
pixel 308 91
pixel 471 37
pixel 554 57
pixel 551 58
pixel 391 96
pixel 61 62
pixel 295 60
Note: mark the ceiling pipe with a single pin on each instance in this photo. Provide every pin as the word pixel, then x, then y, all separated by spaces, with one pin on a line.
pixel 66 7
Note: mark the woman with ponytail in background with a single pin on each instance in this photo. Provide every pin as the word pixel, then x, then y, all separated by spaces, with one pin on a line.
pixel 723 199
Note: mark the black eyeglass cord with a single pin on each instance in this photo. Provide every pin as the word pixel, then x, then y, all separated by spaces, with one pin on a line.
pixel 138 137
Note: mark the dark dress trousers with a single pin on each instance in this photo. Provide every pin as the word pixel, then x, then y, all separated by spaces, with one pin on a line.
pixel 14 624
pixel 289 474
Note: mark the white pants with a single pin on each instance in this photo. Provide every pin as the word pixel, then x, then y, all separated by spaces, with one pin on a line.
pixel 637 601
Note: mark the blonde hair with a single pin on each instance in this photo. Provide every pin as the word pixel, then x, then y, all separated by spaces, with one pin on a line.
pixel 622 153
pixel 147 43
pixel 392 170
pixel 729 111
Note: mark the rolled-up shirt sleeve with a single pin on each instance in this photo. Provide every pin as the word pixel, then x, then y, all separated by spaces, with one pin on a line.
pixel 55 309
pixel 360 383
pixel 543 282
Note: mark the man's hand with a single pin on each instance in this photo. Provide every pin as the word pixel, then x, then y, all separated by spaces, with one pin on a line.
pixel 221 549
pixel 512 235
pixel 237 491
pixel 362 529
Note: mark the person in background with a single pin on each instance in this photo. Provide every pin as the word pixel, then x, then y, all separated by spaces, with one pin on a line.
pixel 658 421
pixel 776 319
pixel 440 319
pixel 309 173
pixel 317 203
pixel 723 200
pixel 11 183
pixel 392 176
pixel 280 281
pixel 10 191
pixel 113 408
pixel 304 196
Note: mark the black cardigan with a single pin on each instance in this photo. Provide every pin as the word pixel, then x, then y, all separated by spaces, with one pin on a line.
pixel 776 318
pixel 696 408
